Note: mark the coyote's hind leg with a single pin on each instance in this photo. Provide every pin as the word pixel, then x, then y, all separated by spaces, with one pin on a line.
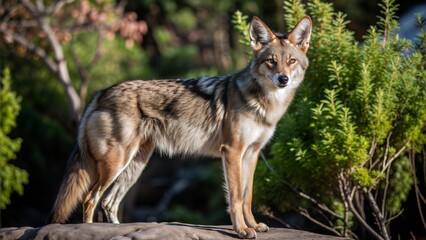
pixel 125 181
pixel 112 140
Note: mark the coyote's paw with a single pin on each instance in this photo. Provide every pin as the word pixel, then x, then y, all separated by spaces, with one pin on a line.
pixel 261 227
pixel 246 233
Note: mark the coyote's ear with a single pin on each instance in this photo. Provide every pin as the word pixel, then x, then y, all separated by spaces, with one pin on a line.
pixel 301 34
pixel 260 34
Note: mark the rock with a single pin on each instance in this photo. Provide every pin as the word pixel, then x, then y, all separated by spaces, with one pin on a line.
pixel 144 231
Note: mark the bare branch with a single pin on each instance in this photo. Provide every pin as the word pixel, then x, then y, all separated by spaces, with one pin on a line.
pixel 85 70
pixel 28 5
pixel 267 212
pixel 326 218
pixel 387 221
pixel 97 54
pixel 51 37
pixel 53 21
pixel 378 160
pixel 39 52
pixel 306 214
pixel 353 235
pixel 120 7
pixel 40 5
pixel 359 202
pixel 10 14
pixel 82 71
pixel 23 24
pixel 62 73
pixel 385 158
pixel 377 214
pixel 363 222
pixel 385 191
pixel 57 67
pixel 401 150
pixel 301 194
pixel 57 6
pixel 344 196
pixel 370 153
pixel 416 188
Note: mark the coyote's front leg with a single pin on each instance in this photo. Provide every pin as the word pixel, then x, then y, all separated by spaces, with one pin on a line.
pixel 231 157
pixel 249 166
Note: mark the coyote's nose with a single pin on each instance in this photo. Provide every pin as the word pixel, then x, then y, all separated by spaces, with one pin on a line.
pixel 282 81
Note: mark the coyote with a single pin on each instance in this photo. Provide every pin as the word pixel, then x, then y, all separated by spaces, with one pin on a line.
pixel 231 117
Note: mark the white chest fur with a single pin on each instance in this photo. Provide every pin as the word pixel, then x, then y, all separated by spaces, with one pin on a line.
pixel 280 101
pixel 252 132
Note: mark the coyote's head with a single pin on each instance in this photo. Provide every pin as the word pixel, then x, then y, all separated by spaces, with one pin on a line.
pixel 279 61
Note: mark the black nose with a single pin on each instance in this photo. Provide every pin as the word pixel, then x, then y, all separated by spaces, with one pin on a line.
pixel 282 80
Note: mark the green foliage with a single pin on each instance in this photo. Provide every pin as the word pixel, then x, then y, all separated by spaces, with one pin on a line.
pixel 388 19
pixel 400 184
pixel 365 178
pixel 12 178
pixel 239 20
pixel 359 105
pixel 294 11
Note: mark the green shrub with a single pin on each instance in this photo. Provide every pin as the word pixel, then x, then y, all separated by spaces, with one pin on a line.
pixel 12 178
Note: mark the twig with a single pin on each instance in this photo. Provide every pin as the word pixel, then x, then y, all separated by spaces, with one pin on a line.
pixel 40 5
pixel 39 52
pixel 62 73
pixel 387 147
pixel 363 222
pixel 306 214
pixel 412 235
pixel 57 65
pixel 10 14
pixel 85 70
pixel 98 48
pixel 359 201
pixel 344 196
pixel 387 221
pixel 54 8
pixel 353 235
pixel 28 5
pixel 120 7
pixel 22 24
pixel 378 160
pixel 301 194
pixel 385 191
pixel 371 152
pixel 395 156
pixel 324 216
pixel 271 215
pixel 377 214
pixel 416 188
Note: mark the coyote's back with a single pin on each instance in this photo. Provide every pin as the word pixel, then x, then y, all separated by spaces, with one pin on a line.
pixel 231 117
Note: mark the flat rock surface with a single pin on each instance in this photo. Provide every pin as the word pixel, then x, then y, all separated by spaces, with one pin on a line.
pixel 145 231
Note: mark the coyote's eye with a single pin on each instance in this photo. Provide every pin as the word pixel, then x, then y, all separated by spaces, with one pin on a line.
pixel 270 61
pixel 291 61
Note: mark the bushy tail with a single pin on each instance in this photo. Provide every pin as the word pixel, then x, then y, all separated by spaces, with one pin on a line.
pixel 76 182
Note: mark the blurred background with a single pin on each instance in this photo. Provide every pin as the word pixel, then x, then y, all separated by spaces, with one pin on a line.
pixel 105 42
